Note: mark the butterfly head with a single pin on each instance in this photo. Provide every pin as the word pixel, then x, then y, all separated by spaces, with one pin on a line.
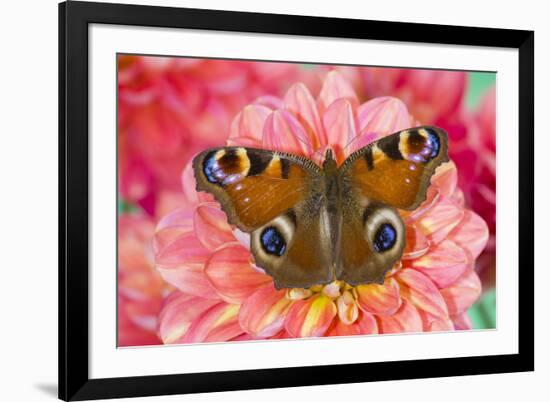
pixel 329 163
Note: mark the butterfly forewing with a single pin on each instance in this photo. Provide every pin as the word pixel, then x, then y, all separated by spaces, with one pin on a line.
pixel 396 169
pixel 277 198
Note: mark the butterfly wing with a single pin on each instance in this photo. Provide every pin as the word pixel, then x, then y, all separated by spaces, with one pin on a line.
pixel 391 173
pixel 276 198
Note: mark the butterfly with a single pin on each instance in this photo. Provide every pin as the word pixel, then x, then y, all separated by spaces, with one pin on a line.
pixel 312 224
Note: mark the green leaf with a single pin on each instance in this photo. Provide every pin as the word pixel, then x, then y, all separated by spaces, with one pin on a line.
pixel 483 313
pixel 478 84
pixel 126 207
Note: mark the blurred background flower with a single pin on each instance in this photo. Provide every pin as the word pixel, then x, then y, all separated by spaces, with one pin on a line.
pixel 140 287
pixel 171 108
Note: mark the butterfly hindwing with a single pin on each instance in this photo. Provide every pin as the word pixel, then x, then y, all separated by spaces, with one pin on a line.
pixel 389 174
pixel 275 197
pixel 372 241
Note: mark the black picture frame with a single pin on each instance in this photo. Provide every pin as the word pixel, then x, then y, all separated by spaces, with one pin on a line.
pixel 74 19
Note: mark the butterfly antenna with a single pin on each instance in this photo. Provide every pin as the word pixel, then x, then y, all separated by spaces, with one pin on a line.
pixel 351 142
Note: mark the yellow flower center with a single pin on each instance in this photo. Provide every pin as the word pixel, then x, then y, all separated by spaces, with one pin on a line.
pixel 338 292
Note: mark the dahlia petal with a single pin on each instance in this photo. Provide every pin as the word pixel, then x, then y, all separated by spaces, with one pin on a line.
pixel 462 322
pixel 183 249
pixel 382 116
pixel 181 218
pixel 338 328
pixel 128 335
pixel 471 234
pixel 364 325
pixel 134 255
pixel 168 201
pixel 181 263
pixel 263 313
pixel 189 184
pixel 141 286
pixel 311 317
pixel 443 217
pixel 443 264
pixel 435 324
pixel 347 308
pixel 219 324
pixel 249 123
pixel 351 74
pixel 283 132
pixel 340 125
pixel 336 87
pixel 299 101
pixel 179 312
pixel 138 180
pixel 332 290
pixel 172 226
pixel 281 335
pixel 458 198
pixel 211 226
pixel 269 101
pixel 445 179
pixel 421 292
pixel 189 279
pixel 230 272
pixel 367 323
pixel 432 199
pixel 448 88
pixel 140 313
pixel 244 337
pixel 462 293
pixel 406 319
pixel 244 142
pixel 298 293
pixel 416 245
pixel 242 237
pixel 379 299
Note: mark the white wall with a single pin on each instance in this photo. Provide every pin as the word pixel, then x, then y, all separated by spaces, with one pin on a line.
pixel 28 198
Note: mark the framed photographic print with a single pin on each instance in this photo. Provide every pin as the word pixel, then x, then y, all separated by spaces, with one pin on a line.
pixel 258 200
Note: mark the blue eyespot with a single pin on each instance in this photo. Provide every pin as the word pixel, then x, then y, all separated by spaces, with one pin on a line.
pixel 433 143
pixel 210 168
pixel 273 241
pixel 385 238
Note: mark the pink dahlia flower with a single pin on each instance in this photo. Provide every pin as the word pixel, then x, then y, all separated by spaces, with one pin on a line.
pixel 170 108
pixel 140 287
pixel 221 295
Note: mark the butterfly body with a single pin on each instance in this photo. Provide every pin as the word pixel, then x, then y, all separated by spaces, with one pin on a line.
pixel 313 224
